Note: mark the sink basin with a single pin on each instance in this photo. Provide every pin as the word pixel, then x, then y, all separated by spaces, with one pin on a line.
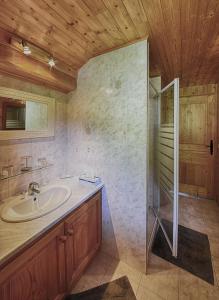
pixel 26 208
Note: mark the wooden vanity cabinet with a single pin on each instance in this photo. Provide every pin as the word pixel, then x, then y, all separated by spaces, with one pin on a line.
pixel 48 269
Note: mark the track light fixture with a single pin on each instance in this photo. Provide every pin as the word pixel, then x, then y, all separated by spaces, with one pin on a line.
pixel 27 51
pixel 26 48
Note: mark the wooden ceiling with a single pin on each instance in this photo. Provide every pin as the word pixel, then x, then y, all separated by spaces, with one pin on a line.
pixel 183 34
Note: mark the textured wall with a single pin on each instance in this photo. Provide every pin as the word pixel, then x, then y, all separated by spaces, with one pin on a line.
pixel 107 137
pixel 54 148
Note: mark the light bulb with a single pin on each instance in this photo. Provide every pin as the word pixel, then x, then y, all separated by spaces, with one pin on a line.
pixel 51 62
pixel 26 48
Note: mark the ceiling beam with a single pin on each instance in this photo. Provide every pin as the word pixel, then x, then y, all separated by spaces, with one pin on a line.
pixel 33 68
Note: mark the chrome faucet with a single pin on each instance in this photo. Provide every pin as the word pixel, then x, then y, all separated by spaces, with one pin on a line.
pixel 33 188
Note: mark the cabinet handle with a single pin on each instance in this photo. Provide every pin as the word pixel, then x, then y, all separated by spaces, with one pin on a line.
pixel 70 231
pixel 63 238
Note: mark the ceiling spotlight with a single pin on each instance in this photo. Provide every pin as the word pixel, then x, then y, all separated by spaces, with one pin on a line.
pixel 26 48
pixel 51 62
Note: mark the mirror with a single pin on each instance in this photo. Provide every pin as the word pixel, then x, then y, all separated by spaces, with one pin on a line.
pixel 22 115
pixel 25 115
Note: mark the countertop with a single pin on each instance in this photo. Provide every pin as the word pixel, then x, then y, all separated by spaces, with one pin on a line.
pixel 15 236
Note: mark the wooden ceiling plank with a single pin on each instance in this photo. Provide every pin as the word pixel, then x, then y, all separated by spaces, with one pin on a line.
pixel 122 18
pixel 172 22
pixel 96 6
pixel 76 24
pixel 185 23
pixel 113 29
pixel 90 27
pixel 71 11
pixel 194 41
pixel 103 39
pixel 157 37
pixel 167 17
pixel 210 24
pixel 93 24
pixel 176 7
pixel 40 20
pixel 42 7
pixel 136 14
pixel 154 54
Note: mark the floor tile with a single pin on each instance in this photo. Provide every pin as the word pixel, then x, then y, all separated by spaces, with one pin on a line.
pixel 191 287
pixel 144 294
pixel 165 281
pixel 118 269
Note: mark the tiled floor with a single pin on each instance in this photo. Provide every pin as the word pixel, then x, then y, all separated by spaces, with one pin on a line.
pixel 165 281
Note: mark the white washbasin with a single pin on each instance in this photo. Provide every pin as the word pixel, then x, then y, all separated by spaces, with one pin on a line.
pixel 26 208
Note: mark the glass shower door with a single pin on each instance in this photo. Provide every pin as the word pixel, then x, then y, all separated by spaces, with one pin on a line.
pixel 166 210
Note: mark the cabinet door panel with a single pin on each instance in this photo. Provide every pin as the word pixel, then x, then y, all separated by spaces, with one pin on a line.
pixel 70 261
pixel 85 234
pixel 61 259
pixel 38 273
pixel 5 291
pixel 52 268
pixel 21 285
pixel 84 239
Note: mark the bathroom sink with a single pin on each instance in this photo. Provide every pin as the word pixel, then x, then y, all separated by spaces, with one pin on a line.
pixel 26 208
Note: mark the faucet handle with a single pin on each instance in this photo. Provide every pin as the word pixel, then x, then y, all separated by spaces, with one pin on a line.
pixel 33 188
pixel 34 183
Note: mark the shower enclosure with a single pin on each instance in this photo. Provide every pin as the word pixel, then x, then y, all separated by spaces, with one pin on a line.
pixel 162 189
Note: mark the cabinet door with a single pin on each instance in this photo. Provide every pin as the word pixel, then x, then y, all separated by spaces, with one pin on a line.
pixel 5 291
pixel 84 237
pixel 38 273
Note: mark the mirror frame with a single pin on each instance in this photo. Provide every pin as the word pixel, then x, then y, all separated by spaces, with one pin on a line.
pixel 25 134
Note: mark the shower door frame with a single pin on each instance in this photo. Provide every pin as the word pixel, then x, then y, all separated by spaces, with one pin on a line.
pixel 173 246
